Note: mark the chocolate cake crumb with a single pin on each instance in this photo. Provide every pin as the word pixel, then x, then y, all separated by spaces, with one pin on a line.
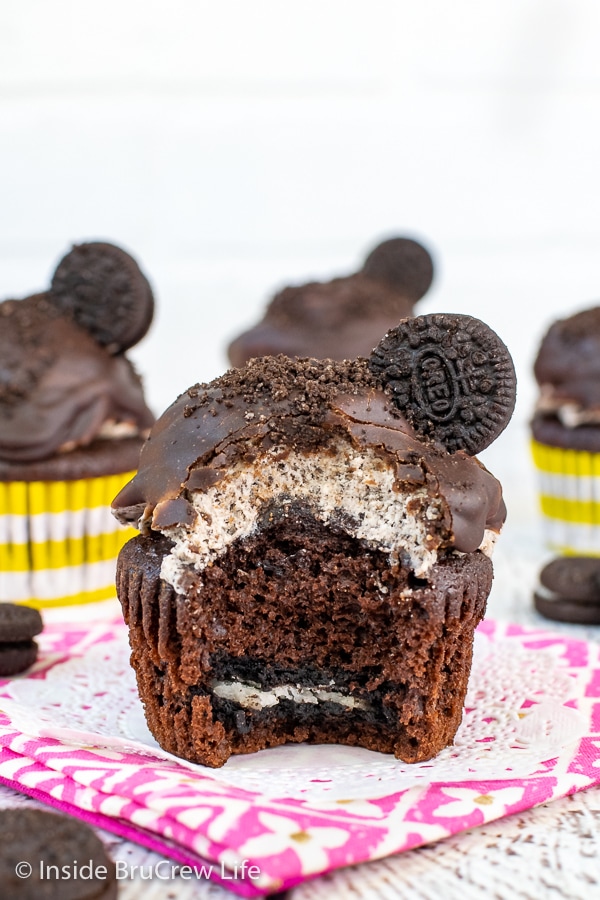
pixel 301 603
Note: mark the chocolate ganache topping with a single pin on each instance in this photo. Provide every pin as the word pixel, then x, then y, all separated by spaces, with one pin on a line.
pixel 568 362
pixel 299 404
pixel 58 386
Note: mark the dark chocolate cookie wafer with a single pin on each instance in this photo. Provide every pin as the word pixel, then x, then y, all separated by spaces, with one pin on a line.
pixel 451 376
pixel 569 590
pixel 17 657
pixel 18 625
pixel 45 856
pixel 403 263
pixel 575 578
pixel 103 288
pixel 560 610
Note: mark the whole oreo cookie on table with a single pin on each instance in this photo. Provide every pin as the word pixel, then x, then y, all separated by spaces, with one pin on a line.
pixel 39 848
pixel 18 626
pixel 105 291
pixel 451 376
pixel 569 590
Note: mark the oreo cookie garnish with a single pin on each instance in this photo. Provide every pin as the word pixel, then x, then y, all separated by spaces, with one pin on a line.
pixel 402 263
pixel 451 376
pixel 569 590
pixel 103 288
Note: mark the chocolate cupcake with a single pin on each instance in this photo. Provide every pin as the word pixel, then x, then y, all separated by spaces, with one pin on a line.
pixel 343 318
pixel 72 422
pixel 566 434
pixel 313 558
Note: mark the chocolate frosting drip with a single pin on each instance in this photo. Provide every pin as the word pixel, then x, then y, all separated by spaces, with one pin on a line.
pixel 296 403
pixel 569 360
pixel 58 386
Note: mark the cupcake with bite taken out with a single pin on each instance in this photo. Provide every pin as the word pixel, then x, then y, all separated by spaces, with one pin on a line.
pixel 72 421
pixel 314 548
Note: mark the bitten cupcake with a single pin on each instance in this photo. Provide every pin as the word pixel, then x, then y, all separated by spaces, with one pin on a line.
pixel 566 434
pixel 315 547
pixel 72 422
pixel 343 318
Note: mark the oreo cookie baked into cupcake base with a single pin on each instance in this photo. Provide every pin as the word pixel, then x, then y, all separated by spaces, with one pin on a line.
pixel 72 422
pixel 315 547
pixel 566 434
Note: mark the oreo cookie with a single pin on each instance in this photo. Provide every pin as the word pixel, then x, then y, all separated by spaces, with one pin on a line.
pixel 51 856
pixel 18 625
pixel 103 289
pixel 402 263
pixel 569 590
pixel 451 376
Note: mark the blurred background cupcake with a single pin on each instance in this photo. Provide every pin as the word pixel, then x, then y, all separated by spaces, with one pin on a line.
pixel 566 433
pixel 72 421
pixel 345 317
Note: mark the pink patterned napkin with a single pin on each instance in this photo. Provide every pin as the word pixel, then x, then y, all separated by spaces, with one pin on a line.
pixel 72 735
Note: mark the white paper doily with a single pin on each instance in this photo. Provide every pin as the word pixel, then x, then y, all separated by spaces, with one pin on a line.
pixel 92 700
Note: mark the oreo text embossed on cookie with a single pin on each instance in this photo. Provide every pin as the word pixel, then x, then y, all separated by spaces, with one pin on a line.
pixel 451 376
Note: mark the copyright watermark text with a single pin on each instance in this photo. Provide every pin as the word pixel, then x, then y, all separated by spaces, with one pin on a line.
pixel 163 870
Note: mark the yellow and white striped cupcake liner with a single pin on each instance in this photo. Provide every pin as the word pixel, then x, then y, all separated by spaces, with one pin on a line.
pixel 59 540
pixel 569 485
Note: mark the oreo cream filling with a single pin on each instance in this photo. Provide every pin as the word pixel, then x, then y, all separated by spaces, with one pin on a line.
pixel 250 696
pixel 353 488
